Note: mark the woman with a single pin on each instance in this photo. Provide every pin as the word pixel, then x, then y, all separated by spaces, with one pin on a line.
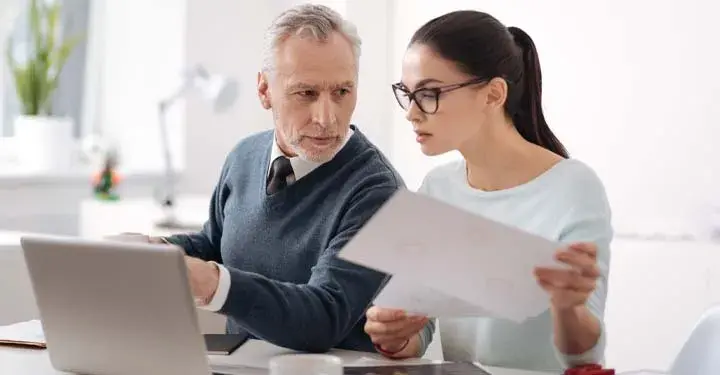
pixel 471 84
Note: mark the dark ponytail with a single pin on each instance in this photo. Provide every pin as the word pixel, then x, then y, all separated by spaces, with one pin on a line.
pixel 483 47
pixel 528 117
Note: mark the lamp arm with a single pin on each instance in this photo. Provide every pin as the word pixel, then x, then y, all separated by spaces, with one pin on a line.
pixel 167 198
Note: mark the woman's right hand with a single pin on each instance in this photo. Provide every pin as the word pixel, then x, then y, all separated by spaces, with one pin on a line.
pixel 394 332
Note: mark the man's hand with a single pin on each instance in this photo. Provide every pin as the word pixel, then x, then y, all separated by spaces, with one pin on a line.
pixel 204 278
pixel 136 237
pixel 570 288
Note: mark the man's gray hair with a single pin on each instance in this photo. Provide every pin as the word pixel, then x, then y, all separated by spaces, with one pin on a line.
pixel 308 20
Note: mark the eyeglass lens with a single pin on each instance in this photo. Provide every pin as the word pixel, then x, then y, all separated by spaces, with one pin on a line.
pixel 426 100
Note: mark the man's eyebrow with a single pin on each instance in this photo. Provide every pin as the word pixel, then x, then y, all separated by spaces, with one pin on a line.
pixel 307 86
pixel 301 86
pixel 346 84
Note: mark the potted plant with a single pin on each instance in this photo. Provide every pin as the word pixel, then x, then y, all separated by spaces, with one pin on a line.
pixel 45 141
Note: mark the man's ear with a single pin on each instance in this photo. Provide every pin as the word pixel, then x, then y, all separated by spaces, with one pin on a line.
pixel 497 90
pixel 263 88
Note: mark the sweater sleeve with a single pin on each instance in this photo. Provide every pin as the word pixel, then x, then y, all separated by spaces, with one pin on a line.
pixel 591 222
pixel 205 244
pixel 318 315
pixel 426 337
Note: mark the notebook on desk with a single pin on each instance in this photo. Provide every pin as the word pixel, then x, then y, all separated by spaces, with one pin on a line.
pixel 24 334
pixel 30 335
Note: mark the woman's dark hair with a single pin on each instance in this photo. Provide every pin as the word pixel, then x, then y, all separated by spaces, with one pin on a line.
pixel 483 47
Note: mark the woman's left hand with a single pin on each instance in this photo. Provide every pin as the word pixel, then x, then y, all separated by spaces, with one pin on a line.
pixel 571 287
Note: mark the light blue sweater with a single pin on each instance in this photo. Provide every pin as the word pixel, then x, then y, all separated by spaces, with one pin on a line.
pixel 566 204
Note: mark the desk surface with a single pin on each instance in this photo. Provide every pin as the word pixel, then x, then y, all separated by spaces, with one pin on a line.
pixel 251 359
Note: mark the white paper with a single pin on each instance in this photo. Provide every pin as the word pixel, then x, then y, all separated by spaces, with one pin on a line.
pixel 420 299
pixel 482 262
pixel 24 332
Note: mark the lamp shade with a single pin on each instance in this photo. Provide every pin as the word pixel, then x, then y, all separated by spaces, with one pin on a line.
pixel 220 91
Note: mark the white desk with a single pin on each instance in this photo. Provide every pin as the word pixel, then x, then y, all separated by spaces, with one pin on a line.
pixel 251 359
pixel 140 215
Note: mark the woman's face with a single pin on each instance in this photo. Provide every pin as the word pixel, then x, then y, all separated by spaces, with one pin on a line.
pixel 457 115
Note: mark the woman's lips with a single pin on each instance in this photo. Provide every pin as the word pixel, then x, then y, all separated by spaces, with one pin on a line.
pixel 422 137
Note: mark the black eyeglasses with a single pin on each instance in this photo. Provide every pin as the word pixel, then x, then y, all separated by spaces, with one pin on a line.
pixel 428 98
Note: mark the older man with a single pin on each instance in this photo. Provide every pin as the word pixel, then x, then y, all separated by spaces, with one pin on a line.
pixel 289 199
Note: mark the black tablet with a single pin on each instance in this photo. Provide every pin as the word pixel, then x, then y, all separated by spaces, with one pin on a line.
pixel 223 344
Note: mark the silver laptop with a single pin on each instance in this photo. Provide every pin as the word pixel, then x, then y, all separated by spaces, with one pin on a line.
pixel 115 307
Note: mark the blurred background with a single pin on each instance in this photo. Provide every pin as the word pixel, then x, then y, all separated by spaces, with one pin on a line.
pixel 629 87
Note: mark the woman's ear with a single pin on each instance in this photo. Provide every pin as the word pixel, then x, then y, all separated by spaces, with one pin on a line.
pixel 497 90
pixel 263 89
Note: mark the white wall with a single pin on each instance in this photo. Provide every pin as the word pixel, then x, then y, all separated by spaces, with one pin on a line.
pixel 629 87
pixel 658 290
pixel 374 20
pixel 225 36
pixel 136 58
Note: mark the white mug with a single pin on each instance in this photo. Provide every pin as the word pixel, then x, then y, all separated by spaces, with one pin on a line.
pixel 306 364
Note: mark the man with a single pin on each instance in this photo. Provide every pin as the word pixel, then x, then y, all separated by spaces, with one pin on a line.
pixel 288 200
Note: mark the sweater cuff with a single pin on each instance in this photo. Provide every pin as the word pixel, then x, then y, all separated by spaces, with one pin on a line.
pixel 222 291
pixel 426 336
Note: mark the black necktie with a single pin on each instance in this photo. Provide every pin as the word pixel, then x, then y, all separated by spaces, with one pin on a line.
pixel 280 171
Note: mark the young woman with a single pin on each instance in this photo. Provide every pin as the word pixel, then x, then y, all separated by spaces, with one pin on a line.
pixel 471 84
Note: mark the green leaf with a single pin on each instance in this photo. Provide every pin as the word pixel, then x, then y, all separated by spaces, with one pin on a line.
pixel 53 14
pixel 36 76
pixel 35 24
pixel 22 88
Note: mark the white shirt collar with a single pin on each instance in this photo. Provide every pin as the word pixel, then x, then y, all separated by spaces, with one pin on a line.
pixel 301 167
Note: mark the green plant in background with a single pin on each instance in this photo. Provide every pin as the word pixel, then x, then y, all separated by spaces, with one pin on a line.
pixel 36 74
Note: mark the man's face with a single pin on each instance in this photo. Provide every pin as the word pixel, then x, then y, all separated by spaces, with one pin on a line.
pixel 312 94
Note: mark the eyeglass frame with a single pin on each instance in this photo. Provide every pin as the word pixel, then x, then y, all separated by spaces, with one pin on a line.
pixel 435 90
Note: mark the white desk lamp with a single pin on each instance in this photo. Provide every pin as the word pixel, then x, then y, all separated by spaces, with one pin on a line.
pixel 221 92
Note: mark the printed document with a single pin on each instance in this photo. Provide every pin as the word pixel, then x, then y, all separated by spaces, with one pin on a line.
pixel 450 262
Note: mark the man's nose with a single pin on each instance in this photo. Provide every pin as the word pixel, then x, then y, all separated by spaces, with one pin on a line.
pixel 324 111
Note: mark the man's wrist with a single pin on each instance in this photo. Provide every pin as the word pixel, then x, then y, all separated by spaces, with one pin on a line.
pixel 222 289
pixel 215 282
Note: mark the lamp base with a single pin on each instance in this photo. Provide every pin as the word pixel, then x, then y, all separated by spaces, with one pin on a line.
pixel 176 225
pixel 171 223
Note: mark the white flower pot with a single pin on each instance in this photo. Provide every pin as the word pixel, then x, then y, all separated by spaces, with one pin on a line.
pixel 44 143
